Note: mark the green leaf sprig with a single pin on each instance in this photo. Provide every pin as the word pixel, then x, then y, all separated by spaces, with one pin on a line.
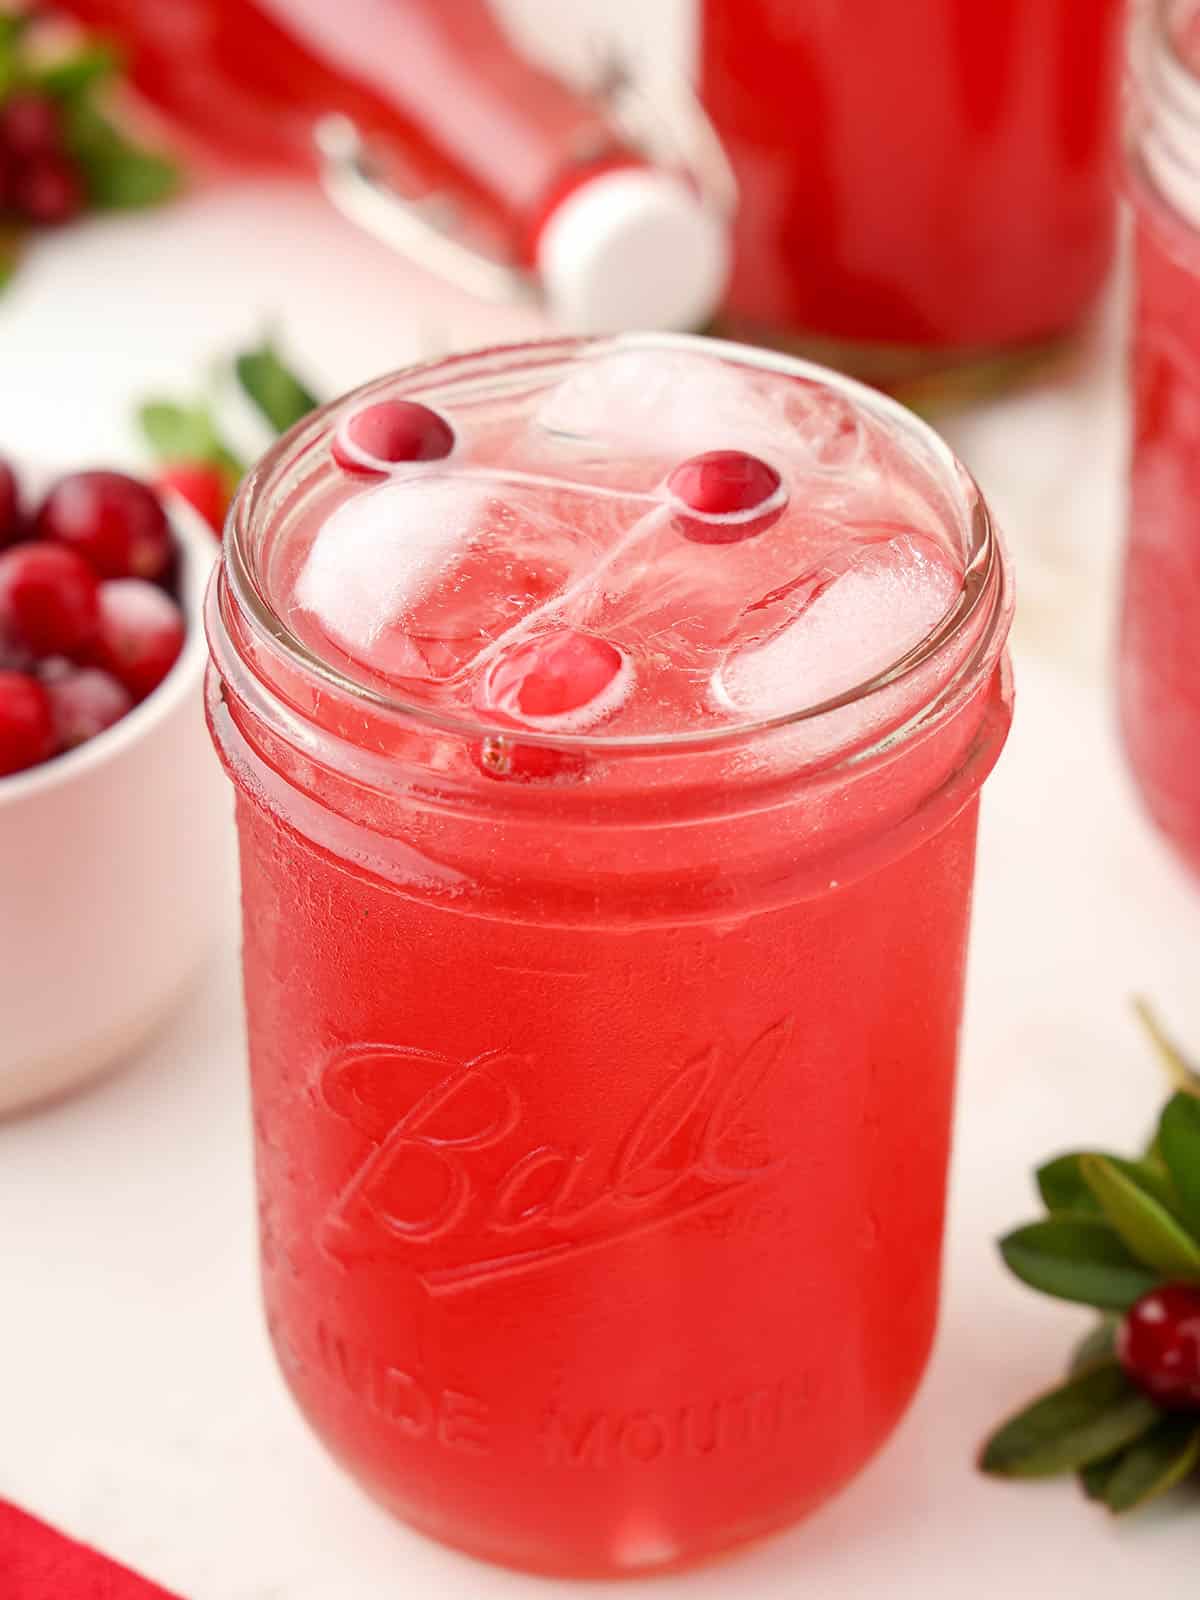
pixel 1115 1229
pixel 187 432
pixel 271 386
pixel 115 171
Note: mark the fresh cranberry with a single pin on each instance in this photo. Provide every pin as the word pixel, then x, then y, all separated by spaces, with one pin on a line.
pixel 14 656
pixel 47 190
pixel 204 487
pixel 48 599
pixel 30 125
pixel 566 678
pixel 383 435
pixel 26 724
pixel 83 702
pixel 113 521
pixel 732 496
pixel 1159 1346
pixel 10 505
pixel 562 681
pixel 140 636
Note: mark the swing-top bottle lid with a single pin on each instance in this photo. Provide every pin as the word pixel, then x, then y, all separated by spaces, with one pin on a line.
pixel 632 248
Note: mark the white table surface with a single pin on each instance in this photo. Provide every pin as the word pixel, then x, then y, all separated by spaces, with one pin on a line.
pixel 139 1408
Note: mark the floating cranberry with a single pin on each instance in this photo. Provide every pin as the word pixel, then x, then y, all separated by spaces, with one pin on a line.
pixel 140 635
pixel 559 682
pixel 26 725
pixel 83 702
pixel 731 496
pixel 511 761
pixel 204 487
pixel 1159 1346
pixel 48 599
pixel 30 125
pixel 113 521
pixel 390 432
pixel 564 679
pixel 47 190
pixel 10 505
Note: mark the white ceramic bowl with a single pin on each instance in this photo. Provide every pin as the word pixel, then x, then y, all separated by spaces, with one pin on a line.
pixel 110 879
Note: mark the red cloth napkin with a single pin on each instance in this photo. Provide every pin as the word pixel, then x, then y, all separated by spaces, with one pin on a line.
pixel 36 1563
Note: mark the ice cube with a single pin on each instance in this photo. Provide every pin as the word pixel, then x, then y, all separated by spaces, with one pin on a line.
pixel 415 578
pixel 672 404
pixel 377 556
pixel 827 433
pixel 888 598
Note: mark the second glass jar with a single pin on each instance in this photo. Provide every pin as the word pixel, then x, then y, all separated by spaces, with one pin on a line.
pixel 919 183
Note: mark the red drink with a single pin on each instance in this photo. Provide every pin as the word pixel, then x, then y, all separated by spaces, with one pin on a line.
pixel 1160 632
pixel 935 175
pixel 607 828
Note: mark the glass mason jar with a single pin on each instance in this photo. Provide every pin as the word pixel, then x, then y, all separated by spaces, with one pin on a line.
pixel 1159 655
pixel 920 184
pixel 601 1126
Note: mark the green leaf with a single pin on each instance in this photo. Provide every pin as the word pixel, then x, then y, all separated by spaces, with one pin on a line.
pixel 1160 1459
pixel 1077 1258
pixel 1179 1142
pixel 11 240
pixel 175 432
pixel 186 433
pixel 1183 1074
pixel 1146 1226
pixel 12 25
pixel 1087 1419
pixel 1061 1186
pixel 119 175
pixel 1066 1192
pixel 276 391
pixel 1095 1349
pixel 72 77
pixel 1095 1477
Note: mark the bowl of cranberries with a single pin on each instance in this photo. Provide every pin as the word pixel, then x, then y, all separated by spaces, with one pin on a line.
pixel 110 815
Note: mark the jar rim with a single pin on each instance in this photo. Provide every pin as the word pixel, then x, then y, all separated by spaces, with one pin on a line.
pixel 984 599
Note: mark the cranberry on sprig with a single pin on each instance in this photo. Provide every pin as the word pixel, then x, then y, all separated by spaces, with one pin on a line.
pixel 84 632
pixel 40 182
pixel 1121 1234
pixel 725 496
pixel 391 433
pixel 1158 1344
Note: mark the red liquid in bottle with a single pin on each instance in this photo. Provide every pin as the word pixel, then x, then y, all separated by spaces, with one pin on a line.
pixel 931 174
pixel 536 173
pixel 1160 629
pixel 249 79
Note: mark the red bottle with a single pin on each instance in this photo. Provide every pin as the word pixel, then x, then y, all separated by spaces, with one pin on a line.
pixel 922 179
pixel 430 128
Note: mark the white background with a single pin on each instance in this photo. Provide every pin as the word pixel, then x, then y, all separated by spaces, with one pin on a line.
pixel 138 1404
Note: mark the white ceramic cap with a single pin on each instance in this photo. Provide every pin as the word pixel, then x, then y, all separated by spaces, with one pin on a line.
pixel 633 248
